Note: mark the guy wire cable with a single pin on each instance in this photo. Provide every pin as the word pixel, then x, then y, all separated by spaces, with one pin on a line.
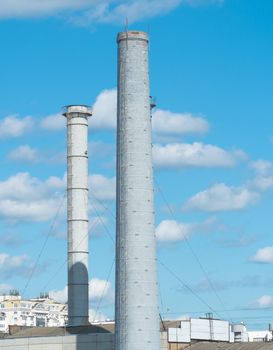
pixel 191 249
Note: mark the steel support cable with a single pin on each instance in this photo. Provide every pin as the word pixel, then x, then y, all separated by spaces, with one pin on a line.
pixel 103 205
pixel 111 268
pixel 104 289
pixel 160 297
pixel 103 224
pixel 225 310
pixel 44 244
pixel 254 324
pixel 187 287
pixel 110 272
pixel 162 306
pixel 65 261
pixel 112 239
pixel 262 317
pixel 192 250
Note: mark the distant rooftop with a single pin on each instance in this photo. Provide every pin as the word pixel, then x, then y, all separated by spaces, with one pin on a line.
pixel 29 332
pixel 231 346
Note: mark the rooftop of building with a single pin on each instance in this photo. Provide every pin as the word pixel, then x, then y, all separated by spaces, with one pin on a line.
pixel 233 346
pixel 29 332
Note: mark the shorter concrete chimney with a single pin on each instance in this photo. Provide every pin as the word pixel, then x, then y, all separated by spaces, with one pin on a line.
pixel 77 213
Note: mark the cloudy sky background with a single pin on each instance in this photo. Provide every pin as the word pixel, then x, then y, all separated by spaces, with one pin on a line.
pixel 211 73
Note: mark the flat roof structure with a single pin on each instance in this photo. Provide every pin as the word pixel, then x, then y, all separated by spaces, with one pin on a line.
pixel 233 346
pixel 29 332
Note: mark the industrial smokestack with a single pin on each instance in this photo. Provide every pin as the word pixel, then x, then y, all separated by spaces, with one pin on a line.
pixel 137 314
pixel 77 213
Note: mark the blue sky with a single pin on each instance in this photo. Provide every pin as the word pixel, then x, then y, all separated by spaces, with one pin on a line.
pixel 211 73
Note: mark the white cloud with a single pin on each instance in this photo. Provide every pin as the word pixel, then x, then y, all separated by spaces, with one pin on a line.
pixel 24 153
pixel 263 180
pixel 166 122
pixel 93 11
pixel 18 265
pixel 42 210
pixel 34 8
pixel 264 301
pixel 262 183
pixel 12 126
pixel 220 197
pixel 104 111
pixel 56 183
pixel 182 155
pixel 53 122
pixel 108 12
pixel 262 167
pixel 133 10
pixel 173 231
pixel 86 12
pixel 23 186
pixel 23 197
pixel 105 118
pixel 98 289
pixel 264 255
pixel 101 187
pixel 26 198
pixel 59 295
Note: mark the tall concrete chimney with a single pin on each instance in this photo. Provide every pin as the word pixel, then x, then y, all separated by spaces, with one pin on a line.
pixel 77 213
pixel 137 314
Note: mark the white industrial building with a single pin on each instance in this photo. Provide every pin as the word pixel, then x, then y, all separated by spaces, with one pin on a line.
pixel 40 322
pixel 197 329
pixel 193 330
pixel 259 336
pixel 37 312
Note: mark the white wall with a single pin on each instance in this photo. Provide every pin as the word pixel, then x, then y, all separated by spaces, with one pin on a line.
pixel 71 342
